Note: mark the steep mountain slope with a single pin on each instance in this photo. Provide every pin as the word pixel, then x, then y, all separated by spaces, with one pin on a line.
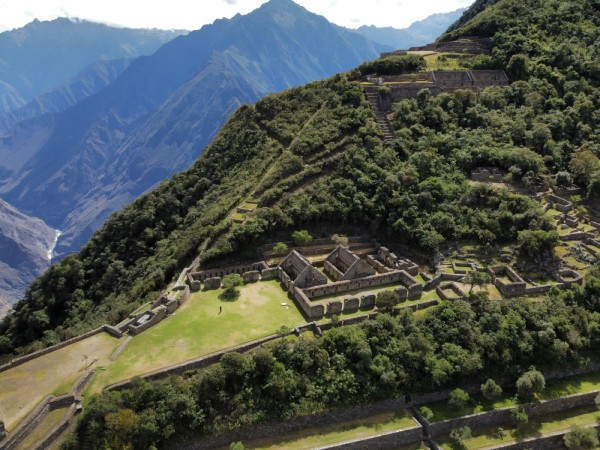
pixel 88 82
pixel 417 34
pixel 25 244
pixel 125 126
pixel 41 55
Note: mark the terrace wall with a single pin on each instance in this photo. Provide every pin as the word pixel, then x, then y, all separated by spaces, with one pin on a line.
pixel 223 271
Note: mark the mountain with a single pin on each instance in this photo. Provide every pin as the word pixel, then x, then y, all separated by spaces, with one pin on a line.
pixel 42 55
pixel 75 168
pixel 25 252
pixel 419 33
pixel 88 82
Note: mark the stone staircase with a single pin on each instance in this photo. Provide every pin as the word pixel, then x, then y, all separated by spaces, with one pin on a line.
pixel 380 116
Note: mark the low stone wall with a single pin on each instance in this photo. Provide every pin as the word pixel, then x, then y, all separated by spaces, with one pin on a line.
pixel 432 283
pixel 352 285
pixel 578 236
pixel 502 416
pixel 158 314
pixel 559 203
pixel 23 359
pixel 536 290
pixel 443 290
pixel 383 441
pixel 212 283
pixel 270 274
pixel 223 271
pixel 251 277
pixel 296 424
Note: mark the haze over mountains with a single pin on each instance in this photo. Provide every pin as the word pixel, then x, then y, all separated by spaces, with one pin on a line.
pixel 111 129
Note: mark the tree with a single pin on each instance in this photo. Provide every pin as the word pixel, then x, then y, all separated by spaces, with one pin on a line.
pixel 301 237
pixel 387 300
pixel 518 67
pixel 458 398
pixel 280 248
pixel 530 383
pixel 581 438
pixel 230 285
pixel 490 389
pixel 476 278
pixel 518 416
pixel 236 446
pixel 535 242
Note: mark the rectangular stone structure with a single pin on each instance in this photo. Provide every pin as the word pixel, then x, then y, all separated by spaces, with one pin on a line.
pixel 351 304
pixel 212 283
pixel 251 276
pixel 334 308
pixel 367 301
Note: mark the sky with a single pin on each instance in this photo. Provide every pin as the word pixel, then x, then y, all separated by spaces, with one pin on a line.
pixel 192 14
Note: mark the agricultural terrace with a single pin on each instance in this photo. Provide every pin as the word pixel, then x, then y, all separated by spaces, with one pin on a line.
pixel 26 385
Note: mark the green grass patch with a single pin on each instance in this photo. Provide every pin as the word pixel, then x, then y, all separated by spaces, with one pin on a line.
pixel 445 61
pixel 537 427
pixel 249 206
pixel 314 437
pixel 238 217
pixel 201 326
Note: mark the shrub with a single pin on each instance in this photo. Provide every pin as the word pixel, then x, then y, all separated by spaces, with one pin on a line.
pixel 459 435
pixel 518 416
pixel 458 398
pixel 491 390
pixel 280 248
pixel 387 300
pixel 581 438
pixel 301 237
pixel 230 285
pixel 426 412
pixel 530 383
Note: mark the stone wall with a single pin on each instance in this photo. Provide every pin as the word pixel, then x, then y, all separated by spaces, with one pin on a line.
pixel 502 416
pixel 383 441
pixel 251 276
pixel 296 424
pixel 23 359
pixel 157 315
pixel 577 236
pixel 13 439
pixel 212 283
pixel 559 203
pixel 361 283
pixel 450 291
pixel 270 274
pixel 223 271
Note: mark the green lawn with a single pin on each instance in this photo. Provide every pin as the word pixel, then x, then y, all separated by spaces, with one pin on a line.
pixel 434 63
pixel 548 424
pixel 329 434
pixel 249 206
pixel 199 328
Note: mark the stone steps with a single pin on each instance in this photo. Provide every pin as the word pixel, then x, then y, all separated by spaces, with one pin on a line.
pixel 380 116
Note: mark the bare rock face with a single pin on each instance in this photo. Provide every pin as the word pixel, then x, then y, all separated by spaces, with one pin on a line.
pixel 25 252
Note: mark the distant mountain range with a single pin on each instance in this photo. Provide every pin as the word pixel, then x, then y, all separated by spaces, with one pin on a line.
pixel 419 33
pixel 112 129
pixel 42 55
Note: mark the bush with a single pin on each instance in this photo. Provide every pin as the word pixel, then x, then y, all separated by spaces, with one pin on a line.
pixel 387 300
pixel 581 438
pixel 426 412
pixel 518 416
pixel 459 435
pixel 458 398
pixel 530 383
pixel 230 285
pixel 301 237
pixel 280 248
pixel 491 390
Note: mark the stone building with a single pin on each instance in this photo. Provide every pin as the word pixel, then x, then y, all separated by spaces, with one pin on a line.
pixel 342 264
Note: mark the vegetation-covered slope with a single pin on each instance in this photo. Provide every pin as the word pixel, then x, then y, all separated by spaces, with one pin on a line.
pixel 315 154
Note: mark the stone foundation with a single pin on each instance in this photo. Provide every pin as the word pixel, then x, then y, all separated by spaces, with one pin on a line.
pixel 212 283
pixel 251 277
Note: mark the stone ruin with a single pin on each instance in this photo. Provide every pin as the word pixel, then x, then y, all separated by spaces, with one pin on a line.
pixel 2 430
pixel 301 273
pixel 488 174
pixel 559 203
pixel 450 291
pixel 342 264
pixel 469 45
pixel 408 85
pixel 511 284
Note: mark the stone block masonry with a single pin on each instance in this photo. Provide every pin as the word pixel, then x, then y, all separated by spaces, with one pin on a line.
pixel 351 305
pixel 251 277
pixel 212 283
pixel 224 271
